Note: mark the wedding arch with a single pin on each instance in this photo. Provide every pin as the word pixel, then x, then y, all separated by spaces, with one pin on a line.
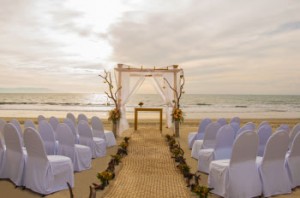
pixel 159 76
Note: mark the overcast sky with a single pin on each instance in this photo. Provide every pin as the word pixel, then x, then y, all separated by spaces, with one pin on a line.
pixel 224 47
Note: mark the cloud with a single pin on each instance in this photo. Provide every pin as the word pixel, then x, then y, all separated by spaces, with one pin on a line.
pixel 228 46
pixel 218 43
pixel 287 27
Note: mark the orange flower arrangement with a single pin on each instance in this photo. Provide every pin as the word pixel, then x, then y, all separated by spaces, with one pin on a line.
pixel 114 115
pixel 177 115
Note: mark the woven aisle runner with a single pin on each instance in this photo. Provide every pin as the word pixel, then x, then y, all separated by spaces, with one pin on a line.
pixel 148 170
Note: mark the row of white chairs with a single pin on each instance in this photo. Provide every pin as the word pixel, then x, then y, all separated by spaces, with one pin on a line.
pixel 79 148
pixel 244 174
pixel 96 125
pixel 30 166
pixel 206 135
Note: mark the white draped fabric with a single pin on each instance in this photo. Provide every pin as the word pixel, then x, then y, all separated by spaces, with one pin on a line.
pixel 125 95
pixel 123 77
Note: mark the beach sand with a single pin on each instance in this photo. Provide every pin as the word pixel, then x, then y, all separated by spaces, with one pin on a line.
pixel 85 178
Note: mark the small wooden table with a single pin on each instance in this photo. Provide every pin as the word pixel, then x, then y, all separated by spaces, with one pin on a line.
pixel 136 110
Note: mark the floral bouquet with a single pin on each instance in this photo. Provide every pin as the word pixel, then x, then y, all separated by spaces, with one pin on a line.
pixel 105 176
pixel 177 115
pixel 202 191
pixel 114 115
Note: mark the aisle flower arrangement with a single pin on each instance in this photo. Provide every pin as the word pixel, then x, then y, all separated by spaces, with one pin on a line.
pixel 178 155
pixel 109 174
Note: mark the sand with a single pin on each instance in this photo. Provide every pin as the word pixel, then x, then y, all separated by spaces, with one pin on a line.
pixel 85 178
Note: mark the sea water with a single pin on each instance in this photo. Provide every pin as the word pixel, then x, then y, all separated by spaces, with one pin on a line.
pixel 195 106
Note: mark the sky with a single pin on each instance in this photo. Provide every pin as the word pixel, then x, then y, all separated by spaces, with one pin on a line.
pixel 224 47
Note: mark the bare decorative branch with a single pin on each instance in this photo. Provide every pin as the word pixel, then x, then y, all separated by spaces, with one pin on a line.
pixel 177 95
pixel 111 94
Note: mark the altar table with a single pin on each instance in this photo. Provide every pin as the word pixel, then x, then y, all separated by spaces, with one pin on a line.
pixel 136 110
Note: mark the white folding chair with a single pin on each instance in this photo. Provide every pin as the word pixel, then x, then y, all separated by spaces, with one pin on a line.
pixel 15 155
pixel 238 176
pixel 74 130
pixel 222 121
pixel 45 174
pixel 273 174
pixel 208 141
pixel 222 149
pixel 29 123
pixel 98 131
pixel 292 162
pixel 48 136
pixel 53 121
pixel 82 116
pixel 199 134
pixel 293 133
pixel 80 155
pixel 72 117
pixel 264 133
pixel 97 145
pixel 250 126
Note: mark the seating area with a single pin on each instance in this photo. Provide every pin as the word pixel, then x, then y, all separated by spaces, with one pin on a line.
pixel 238 157
pixel 44 157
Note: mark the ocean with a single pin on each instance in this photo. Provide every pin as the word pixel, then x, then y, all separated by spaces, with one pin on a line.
pixel 194 106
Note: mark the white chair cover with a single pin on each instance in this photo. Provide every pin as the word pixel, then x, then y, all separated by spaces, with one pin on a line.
pixel 80 155
pixel 2 124
pixel 48 137
pixel 72 118
pixel 222 121
pixel 262 124
pixel 74 130
pixel 192 135
pixel 2 157
pixel 284 127
pixel 17 124
pixel 208 141
pixel 293 133
pixel 29 123
pixel 250 126
pixel 98 131
pixel 264 133
pixel 274 175
pixel 222 149
pixel 40 118
pixel 97 145
pixel 199 134
pixel 236 120
pixel 45 174
pixel 53 121
pixel 15 159
pixel 237 177
pixel 82 116
pixel 235 126
pixel 292 162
